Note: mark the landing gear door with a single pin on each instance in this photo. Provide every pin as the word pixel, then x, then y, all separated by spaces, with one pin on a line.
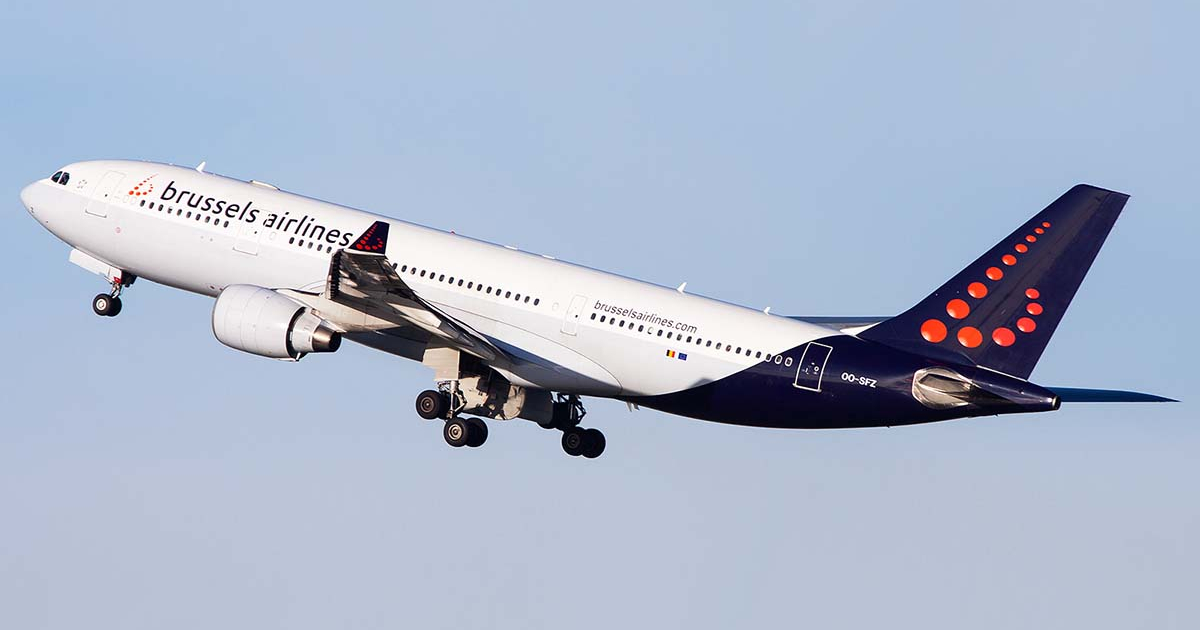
pixel 102 195
pixel 247 240
pixel 570 323
pixel 812 366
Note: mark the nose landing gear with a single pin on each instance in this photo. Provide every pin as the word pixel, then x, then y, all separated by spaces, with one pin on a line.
pixel 109 304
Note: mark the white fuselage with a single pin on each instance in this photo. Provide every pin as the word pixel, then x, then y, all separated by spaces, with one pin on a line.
pixel 203 232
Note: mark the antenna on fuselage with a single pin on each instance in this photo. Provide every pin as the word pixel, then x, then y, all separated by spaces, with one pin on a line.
pixel 767 311
pixel 681 287
pixel 200 166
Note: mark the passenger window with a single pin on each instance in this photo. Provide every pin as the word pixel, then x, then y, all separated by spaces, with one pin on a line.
pixel 537 301
pixel 778 359
pixel 709 344
pixel 718 346
pixel 601 319
pixel 660 332
pixel 788 362
pixel 641 327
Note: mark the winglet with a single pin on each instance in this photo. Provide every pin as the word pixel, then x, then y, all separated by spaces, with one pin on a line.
pixel 373 240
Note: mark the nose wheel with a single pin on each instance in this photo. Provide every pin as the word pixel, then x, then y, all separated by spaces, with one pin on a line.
pixel 106 305
pixel 109 304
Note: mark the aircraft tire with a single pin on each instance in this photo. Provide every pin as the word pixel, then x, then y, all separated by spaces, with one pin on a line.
pixel 431 404
pixel 457 432
pixel 477 432
pixel 593 443
pixel 102 305
pixel 572 442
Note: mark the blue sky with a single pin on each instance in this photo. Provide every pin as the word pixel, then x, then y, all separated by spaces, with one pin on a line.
pixel 818 158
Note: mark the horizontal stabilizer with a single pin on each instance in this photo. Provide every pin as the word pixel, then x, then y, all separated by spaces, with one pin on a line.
pixel 1078 394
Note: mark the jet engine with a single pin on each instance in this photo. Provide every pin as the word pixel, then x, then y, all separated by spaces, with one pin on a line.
pixel 260 321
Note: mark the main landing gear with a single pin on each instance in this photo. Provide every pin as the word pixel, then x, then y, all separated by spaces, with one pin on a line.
pixel 567 412
pixel 109 304
pixel 459 431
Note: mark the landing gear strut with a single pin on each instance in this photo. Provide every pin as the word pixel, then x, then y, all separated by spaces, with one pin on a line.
pixel 567 413
pixel 109 304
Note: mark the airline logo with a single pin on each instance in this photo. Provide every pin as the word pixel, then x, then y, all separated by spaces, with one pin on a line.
pixel 374 240
pixel 934 330
pixel 143 188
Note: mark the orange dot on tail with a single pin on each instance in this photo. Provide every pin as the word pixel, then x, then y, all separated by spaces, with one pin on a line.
pixel 1032 293
pixel 1045 224
pixel 1003 337
pixel 1021 248
pixel 994 273
pixel 957 308
pixel 1008 259
pixel 977 290
pixel 1034 308
pixel 1031 238
pixel 1026 325
pixel 1039 231
pixel 970 337
pixel 933 330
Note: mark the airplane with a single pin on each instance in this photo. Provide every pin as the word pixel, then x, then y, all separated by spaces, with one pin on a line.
pixel 511 334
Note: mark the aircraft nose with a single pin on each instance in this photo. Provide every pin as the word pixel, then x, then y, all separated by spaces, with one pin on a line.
pixel 27 197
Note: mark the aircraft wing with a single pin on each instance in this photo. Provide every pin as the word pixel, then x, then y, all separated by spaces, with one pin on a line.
pixel 361 278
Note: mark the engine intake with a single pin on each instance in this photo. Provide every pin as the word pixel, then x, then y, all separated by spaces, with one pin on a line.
pixel 260 321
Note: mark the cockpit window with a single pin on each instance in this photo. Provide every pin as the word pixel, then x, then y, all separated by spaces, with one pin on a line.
pixel 54 178
pixel 65 176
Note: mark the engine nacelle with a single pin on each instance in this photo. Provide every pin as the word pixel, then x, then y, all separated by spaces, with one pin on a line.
pixel 260 321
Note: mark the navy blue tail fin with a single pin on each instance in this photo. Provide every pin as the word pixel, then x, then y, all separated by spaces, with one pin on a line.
pixel 1000 311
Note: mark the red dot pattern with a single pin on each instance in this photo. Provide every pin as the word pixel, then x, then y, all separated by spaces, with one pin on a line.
pixel 934 330
pixel 970 337
pixel 958 309
pixel 143 187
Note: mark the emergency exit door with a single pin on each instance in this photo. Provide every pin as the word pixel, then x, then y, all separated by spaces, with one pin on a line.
pixel 103 194
pixel 570 323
